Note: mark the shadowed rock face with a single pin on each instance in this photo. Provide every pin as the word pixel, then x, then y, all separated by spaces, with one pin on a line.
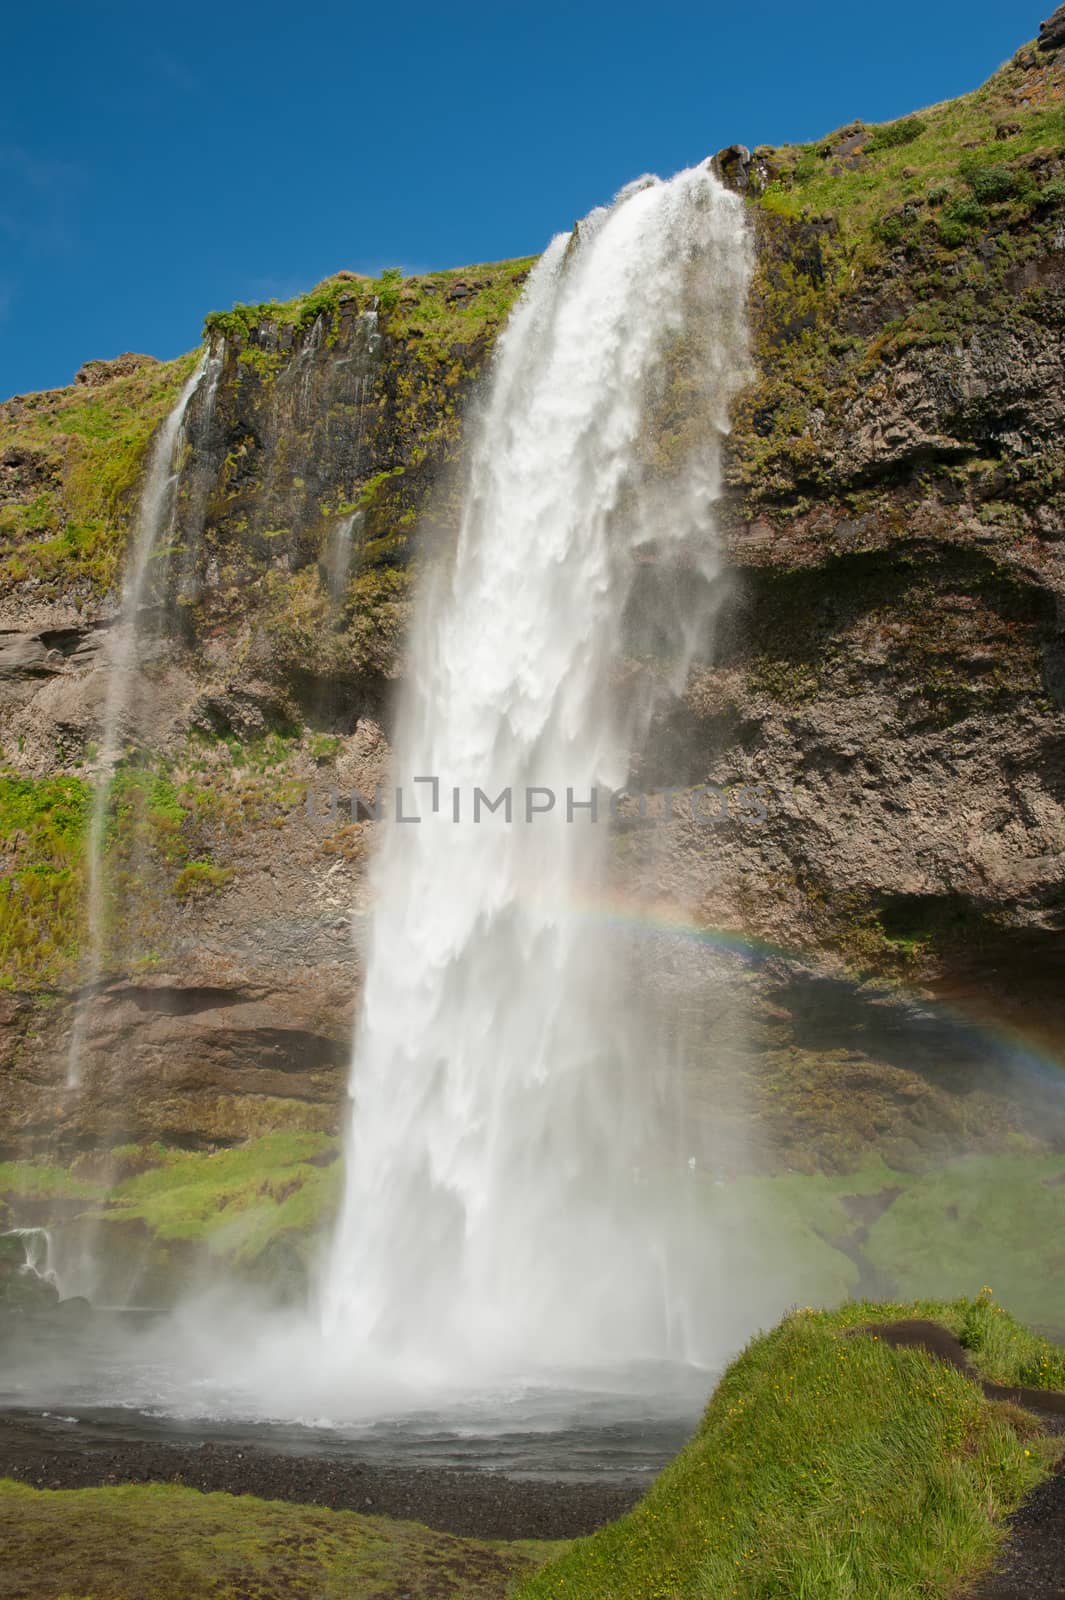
pixel 187 1064
pixel 1052 32
pixel 889 669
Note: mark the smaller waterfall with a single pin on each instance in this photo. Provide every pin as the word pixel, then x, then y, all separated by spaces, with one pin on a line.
pixel 151 539
pixel 200 479
pixel 37 1246
pixel 339 548
pixel 340 545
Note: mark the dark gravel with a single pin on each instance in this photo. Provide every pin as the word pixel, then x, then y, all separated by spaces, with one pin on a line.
pixel 1032 1564
pixel 475 1505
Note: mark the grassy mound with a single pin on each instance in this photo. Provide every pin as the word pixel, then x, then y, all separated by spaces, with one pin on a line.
pixel 831 1466
pixel 158 1541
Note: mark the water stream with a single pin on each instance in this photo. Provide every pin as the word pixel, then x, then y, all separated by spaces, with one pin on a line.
pixel 145 573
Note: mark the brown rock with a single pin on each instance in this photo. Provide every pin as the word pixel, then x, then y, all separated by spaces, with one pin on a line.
pixel 94 373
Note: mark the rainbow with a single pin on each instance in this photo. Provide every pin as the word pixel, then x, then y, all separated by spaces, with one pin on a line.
pixel 1023 1049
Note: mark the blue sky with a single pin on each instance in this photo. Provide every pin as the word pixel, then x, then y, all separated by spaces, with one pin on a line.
pixel 158 162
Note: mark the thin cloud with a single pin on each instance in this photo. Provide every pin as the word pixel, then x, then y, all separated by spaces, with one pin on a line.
pixel 177 72
pixel 38 194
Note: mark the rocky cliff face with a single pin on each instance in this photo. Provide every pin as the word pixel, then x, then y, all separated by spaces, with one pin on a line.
pixel 889 669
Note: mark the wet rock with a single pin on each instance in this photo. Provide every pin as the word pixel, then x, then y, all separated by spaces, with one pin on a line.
pixel 21 1289
pixel 732 166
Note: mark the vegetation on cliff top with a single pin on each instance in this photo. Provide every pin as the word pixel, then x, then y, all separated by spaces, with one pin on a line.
pixel 880 240
pixel 75 456
pixel 831 1466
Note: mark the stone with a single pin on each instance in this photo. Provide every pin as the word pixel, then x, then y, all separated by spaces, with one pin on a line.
pixel 96 372
pixel 733 167
pixel 1052 32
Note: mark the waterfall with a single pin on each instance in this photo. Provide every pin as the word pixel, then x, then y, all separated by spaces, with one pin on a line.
pixel 340 545
pixel 145 571
pixel 38 1251
pixel 498 1213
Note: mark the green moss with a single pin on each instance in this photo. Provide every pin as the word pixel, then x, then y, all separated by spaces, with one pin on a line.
pixel 39 1180
pixel 158 1541
pixel 323 748
pixel 42 829
pixel 824 1466
pixel 260 1209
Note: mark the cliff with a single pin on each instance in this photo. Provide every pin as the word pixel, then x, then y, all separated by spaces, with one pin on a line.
pixel 889 667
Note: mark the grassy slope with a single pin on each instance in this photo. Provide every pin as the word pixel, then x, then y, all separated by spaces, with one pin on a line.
pixel 91 443
pixel 159 1542
pixel 829 1467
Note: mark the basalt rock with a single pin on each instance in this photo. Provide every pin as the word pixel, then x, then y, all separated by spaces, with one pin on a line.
pixel 1052 32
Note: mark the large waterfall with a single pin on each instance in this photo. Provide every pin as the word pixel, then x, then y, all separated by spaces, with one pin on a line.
pixel 502 1209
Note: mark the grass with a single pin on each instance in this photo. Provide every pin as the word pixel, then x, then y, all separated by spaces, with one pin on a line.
pixel 827 1464
pixel 89 446
pixel 262 1207
pixel 951 151
pixel 166 818
pixel 159 1541
pixel 982 1219
pixel 828 1467
pixel 409 304
pixel 998 1219
pixel 199 880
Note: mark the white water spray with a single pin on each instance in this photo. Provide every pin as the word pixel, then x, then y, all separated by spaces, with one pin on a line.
pixel 145 573
pixel 497 1213
pixel 39 1253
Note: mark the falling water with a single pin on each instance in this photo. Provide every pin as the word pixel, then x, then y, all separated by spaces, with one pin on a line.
pixel 39 1253
pixel 497 1213
pixel 151 541
pixel 340 545
pixel 200 479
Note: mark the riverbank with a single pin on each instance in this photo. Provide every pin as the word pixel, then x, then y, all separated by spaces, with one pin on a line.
pixel 46 1452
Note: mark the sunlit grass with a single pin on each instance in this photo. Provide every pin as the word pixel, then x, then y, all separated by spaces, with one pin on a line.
pixel 825 1466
